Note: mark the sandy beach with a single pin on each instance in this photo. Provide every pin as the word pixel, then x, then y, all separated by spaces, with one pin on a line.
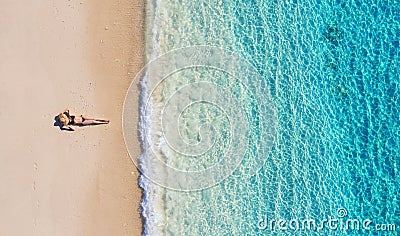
pixel 82 55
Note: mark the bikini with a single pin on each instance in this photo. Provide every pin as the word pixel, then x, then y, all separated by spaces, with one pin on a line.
pixel 72 120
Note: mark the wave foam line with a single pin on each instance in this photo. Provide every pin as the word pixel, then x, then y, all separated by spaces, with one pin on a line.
pixel 153 202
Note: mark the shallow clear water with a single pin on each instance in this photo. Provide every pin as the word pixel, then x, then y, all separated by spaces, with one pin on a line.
pixel 332 71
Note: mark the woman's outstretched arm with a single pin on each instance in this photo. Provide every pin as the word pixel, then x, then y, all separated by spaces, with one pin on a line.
pixel 69 128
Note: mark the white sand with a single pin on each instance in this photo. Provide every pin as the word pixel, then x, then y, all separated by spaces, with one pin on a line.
pixel 81 55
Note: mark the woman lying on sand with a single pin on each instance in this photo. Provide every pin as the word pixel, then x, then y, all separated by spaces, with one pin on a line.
pixel 66 120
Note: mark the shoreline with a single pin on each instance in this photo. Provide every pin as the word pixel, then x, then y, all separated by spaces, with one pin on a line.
pixel 117 55
pixel 57 55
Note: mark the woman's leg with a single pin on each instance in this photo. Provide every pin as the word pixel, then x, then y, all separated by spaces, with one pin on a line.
pixel 93 121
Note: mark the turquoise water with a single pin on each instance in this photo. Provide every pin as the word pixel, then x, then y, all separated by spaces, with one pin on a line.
pixel 330 70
